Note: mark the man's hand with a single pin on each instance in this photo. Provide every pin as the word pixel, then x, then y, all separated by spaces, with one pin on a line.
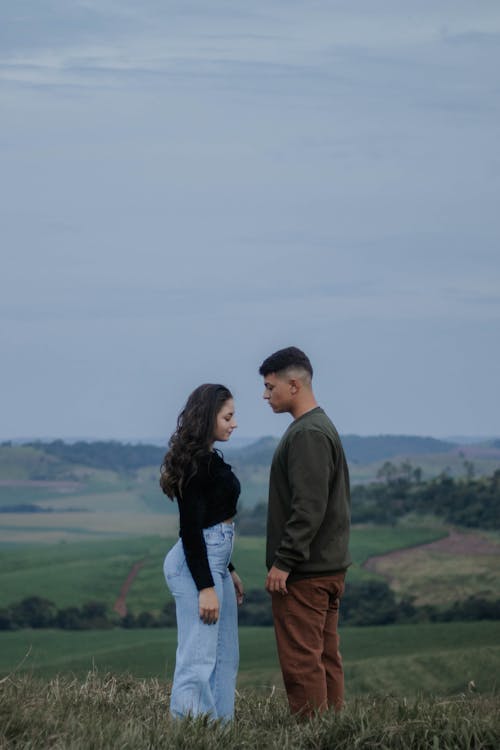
pixel 238 586
pixel 209 605
pixel 276 581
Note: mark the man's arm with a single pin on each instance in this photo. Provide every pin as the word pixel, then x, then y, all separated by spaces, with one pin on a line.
pixel 276 581
pixel 310 471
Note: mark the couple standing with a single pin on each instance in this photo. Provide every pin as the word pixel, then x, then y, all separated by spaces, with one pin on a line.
pixel 306 555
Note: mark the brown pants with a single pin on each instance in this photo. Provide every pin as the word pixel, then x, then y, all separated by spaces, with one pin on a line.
pixel 305 624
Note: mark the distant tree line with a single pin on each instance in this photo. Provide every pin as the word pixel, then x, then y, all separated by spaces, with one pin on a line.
pixel 37 612
pixel 364 603
pixel 252 521
pixel 374 603
pixel 472 502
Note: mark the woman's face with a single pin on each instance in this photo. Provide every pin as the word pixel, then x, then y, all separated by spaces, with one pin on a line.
pixel 225 422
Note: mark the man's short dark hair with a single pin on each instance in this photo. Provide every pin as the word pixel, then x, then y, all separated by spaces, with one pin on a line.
pixel 284 359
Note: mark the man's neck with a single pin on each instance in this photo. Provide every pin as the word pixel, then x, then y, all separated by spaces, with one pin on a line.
pixel 305 405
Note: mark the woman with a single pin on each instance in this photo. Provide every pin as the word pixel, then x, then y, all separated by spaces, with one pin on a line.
pixel 198 568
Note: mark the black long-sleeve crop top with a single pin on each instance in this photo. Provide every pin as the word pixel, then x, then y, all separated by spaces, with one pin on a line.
pixel 208 497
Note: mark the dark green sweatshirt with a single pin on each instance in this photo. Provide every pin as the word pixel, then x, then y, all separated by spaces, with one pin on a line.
pixel 308 517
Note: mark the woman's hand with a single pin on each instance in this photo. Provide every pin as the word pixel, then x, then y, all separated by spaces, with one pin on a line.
pixel 209 606
pixel 238 586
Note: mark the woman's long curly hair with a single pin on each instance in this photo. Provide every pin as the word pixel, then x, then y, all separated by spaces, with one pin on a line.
pixel 193 437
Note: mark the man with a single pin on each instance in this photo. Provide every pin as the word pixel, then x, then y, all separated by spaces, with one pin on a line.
pixel 307 537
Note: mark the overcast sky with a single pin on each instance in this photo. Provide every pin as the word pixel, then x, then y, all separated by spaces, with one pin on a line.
pixel 188 186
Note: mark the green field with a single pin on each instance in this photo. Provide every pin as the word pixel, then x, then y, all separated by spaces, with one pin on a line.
pixel 78 502
pixel 396 659
pixel 93 506
pixel 74 573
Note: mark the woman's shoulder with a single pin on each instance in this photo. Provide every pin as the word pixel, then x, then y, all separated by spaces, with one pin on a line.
pixel 208 465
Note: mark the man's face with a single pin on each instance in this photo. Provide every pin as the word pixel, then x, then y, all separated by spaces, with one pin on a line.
pixel 278 392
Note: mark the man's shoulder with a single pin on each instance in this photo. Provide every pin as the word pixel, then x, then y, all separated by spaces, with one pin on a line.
pixel 317 429
pixel 309 427
pixel 315 425
pixel 317 420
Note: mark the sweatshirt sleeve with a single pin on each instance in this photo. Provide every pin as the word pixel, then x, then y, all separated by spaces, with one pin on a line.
pixel 310 471
pixel 192 507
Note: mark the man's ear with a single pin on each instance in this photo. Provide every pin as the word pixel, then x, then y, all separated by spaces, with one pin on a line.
pixel 294 386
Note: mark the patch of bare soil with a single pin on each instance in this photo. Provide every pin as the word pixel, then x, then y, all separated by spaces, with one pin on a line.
pixel 120 605
pixel 456 543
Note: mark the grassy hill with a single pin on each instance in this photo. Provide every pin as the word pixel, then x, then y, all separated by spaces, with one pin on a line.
pixel 121 712
pixel 81 460
pixel 396 659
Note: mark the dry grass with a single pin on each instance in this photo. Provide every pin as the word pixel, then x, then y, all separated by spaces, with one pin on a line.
pixel 108 712
pixel 450 569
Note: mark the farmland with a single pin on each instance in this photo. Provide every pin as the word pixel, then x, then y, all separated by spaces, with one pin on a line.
pixel 70 574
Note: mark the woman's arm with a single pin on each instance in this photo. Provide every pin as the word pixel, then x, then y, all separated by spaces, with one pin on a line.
pixel 192 506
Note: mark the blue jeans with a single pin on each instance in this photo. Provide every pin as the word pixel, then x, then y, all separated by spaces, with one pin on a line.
pixel 207 656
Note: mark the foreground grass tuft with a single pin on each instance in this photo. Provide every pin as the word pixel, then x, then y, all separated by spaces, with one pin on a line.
pixel 106 712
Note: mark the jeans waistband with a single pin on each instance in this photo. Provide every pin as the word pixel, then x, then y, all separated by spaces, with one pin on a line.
pixel 222 528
